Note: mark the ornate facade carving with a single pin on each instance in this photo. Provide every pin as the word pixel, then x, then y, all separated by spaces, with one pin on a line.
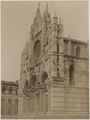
pixel 49 61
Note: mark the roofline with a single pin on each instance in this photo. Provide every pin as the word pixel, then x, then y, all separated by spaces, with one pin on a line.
pixel 9 82
pixel 75 40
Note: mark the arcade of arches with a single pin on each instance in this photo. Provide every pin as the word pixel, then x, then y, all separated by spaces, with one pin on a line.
pixel 36 95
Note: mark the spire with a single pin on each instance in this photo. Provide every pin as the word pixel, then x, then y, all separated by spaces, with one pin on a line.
pixel 46 13
pixel 55 15
pixel 38 13
pixel 55 18
pixel 39 5
pixel 60 22
pixel 60 27
pixel 47 7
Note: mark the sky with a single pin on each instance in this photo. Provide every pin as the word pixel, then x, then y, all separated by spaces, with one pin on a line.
pixel 16 19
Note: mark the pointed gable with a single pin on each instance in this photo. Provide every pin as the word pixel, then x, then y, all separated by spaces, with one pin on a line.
pixel 37 24
pixel 38 14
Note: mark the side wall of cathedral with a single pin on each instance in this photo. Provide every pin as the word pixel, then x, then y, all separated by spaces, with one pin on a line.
pixel 76 94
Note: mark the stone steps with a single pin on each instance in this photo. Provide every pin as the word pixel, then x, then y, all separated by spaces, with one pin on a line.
pixel 47 116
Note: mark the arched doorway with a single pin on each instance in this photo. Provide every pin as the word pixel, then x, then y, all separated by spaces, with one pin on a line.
pixel 33 94
pixel 44 77
pixel 33 80
pixel 44 96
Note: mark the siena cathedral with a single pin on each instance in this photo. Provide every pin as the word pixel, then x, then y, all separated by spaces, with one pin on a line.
pixel 54 71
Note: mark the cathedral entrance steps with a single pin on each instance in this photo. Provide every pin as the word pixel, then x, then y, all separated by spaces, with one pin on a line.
pixel 43 116
pixel 9 117
pixel 48 116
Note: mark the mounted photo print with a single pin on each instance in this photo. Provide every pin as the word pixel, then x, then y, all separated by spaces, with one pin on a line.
pixel 45 60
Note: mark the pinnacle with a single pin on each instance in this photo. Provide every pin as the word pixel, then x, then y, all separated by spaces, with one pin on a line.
pixel 60 21
pixel 39 5
pixel 47 6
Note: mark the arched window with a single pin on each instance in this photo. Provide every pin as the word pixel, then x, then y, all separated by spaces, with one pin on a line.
pixel 37 49
pixel 77 52
pixel 33 80
pixel 10 90
pixel 3 89
pixel 26 83
pixel 71 75
pixel 44 77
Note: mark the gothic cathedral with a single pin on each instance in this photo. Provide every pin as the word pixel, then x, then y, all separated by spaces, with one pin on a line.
pixel 54 71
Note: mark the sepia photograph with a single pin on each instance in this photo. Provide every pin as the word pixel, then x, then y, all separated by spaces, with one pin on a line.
pixel 44 60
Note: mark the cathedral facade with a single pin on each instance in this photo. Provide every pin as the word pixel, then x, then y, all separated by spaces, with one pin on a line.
pixel 54 71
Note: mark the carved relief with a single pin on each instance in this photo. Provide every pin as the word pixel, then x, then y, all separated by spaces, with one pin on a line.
pixel 49 65
pixel 45 53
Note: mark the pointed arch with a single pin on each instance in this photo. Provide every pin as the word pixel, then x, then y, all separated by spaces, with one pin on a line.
pixel 37 49
pixel 71 75
pixel 44 77
pixel 33 80
pixel 10 90
pixel 78 52
pixel 3 89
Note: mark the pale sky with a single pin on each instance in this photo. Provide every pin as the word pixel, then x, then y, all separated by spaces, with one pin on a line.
pixel 16 18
